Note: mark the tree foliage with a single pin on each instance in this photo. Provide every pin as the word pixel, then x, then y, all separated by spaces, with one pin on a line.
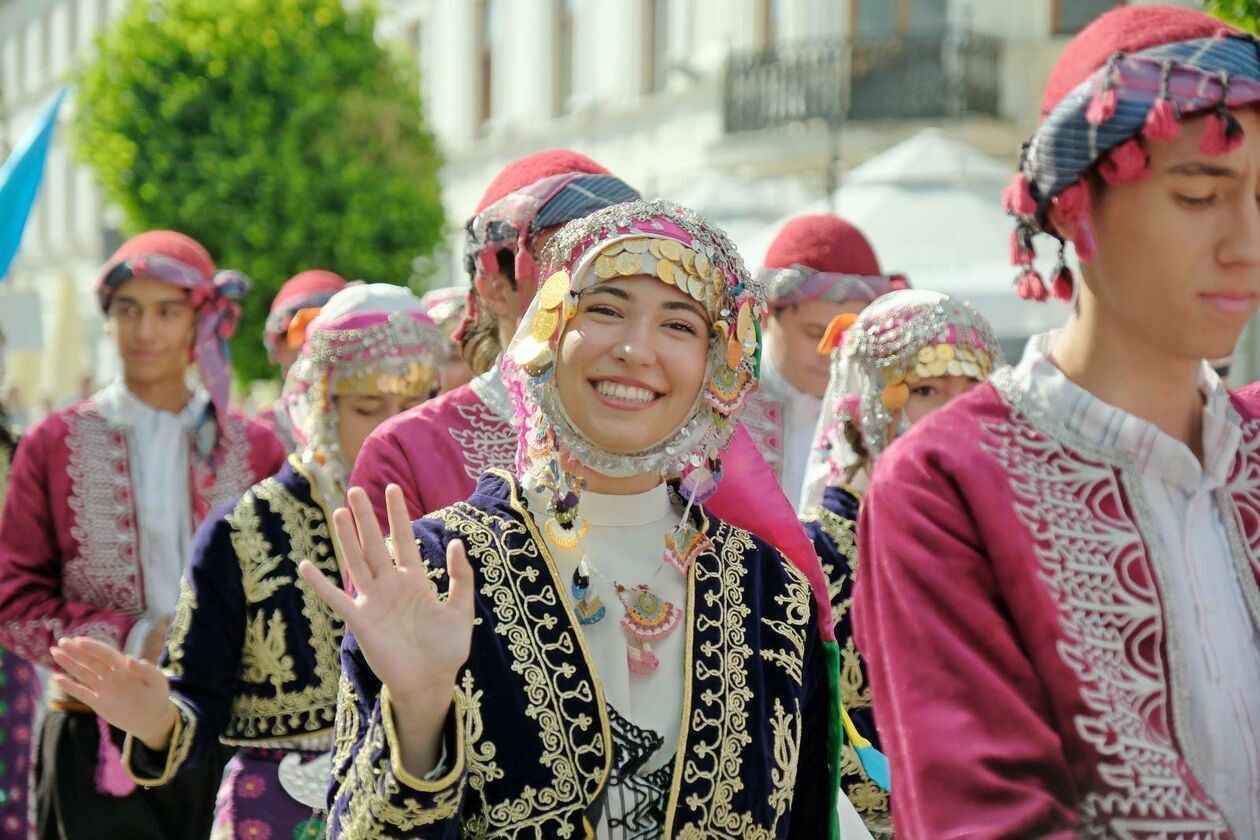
pixel 277 132
pixel 1245 14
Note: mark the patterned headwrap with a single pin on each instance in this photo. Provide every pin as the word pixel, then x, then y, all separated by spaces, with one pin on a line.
pixel 823 258
pixel 679 247
pixel 508 222
pixel 876 357
pixel 181 261
pixel 307 290
pixel 371 339
pixel 445 306
pixel 1133 75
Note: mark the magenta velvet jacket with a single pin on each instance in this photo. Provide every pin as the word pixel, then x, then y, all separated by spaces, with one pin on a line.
pixel 436 451
pixel 1010 611
pixel 69 541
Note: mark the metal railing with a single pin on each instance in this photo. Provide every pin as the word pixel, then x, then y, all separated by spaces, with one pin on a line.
pixel 834 80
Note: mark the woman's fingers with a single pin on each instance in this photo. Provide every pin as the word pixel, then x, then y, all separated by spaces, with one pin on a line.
pixel 76 690
pixel 375 554
pixel 328 592
pixel 406 551
pixel 351 552
pixel 84 648
pixel 82 671
pixel 146 672
pixel 460 570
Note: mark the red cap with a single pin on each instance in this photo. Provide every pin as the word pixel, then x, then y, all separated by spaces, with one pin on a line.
pixel 825 243
pixel 307 283
pixel 530 169
pixel 1125 29
pixel 168 243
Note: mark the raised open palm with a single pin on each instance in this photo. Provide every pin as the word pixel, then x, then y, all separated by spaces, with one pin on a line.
pixel 414 642
pixel 129 693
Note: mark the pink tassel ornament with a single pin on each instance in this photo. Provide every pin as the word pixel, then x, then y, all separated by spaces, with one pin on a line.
pixel 1221 134
pixel 1162 123
pixel 1064 284
pixel 1102 106
pixel 110 776
pixel 1124 163
pixel 1017 198
pixel 1030 286
pixel 1021 252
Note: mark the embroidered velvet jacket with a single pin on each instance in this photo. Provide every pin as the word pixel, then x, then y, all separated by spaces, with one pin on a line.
pixel 832 526
pixel 70 560
pixel 253 653
pixel 1012 608
pixel 529 746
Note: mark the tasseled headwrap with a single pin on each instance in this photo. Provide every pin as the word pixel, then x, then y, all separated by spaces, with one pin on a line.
pixel 1074 206
pixel 1030 286
pixel 1063 284
pixel 1017 198
pixel 1222 133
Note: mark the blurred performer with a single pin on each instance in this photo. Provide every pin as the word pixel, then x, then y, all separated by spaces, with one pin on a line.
pixel 253 658
pixel 19 688
pixel 436 452
pixel 97 527
pixel 292 310
pixel 817 268
pixel 1059 595
pixel 906 355
pixel 447 307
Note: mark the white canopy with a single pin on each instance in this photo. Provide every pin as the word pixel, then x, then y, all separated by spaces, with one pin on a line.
pixel 931 208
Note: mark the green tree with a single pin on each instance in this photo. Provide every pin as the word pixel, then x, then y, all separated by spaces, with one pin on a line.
pixel 1245 14
pixel 277 132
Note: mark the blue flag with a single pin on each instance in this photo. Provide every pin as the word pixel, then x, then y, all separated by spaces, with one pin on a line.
pixel 20 175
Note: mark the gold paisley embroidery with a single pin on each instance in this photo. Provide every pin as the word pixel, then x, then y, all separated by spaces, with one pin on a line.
pixel 481 765
pixel 867 798
pixel 792 629
pixel 181 623
pixel 787 751
pixel 266 657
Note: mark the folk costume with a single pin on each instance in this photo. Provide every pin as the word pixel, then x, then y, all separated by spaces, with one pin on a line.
pixel 1059 602
pixel 876 357
pixel 639 668
pixel 253 654
pixel 814 258
pixel 293 308
pixel 103 500
pixel 436 451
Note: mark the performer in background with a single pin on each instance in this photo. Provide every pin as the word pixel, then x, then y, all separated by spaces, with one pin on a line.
pixel 817 268
pixel 908 354
pixel 1058 597
pixel 97 527
pixel 447 307
pixel 253 655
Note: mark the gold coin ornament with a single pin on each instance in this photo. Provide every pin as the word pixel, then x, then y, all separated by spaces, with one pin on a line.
pixel 551 295
pixel 628 264
pixel 544 325
pixel 734 352
pixel 927 355
pixel 670 249
pixel 636 246
pixel 665 271
pixel 744 323
pixel 605 267
pixel 945 352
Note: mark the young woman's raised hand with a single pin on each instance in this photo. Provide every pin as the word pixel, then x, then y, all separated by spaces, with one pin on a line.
pixel 414 642
pixel 129 693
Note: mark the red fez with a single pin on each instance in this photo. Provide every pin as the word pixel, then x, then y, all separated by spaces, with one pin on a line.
pixel 824 243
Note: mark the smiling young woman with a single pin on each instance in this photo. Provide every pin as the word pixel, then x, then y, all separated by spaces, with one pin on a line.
pixel 601 653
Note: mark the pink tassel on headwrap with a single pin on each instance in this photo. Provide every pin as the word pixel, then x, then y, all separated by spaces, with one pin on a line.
pixel 1126 162
pixel 1021 254
pixel 1063 285
pixel 1017 198
pixel 1102 106
pixel 1074 206
pixel 1161 121
pixel 1221 134
pixel 110 777
pixel 1030 286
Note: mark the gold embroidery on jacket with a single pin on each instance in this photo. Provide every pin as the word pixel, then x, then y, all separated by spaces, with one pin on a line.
pixel 267 658
pixel 787 751
pixel 181 623
pixel 792 629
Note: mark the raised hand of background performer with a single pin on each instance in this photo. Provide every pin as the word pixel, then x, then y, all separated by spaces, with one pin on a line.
pixel 414 642
pixel 129 693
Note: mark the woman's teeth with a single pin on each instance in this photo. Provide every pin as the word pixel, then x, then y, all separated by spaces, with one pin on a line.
pixel 627 393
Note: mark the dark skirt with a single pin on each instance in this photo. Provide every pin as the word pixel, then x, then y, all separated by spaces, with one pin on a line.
pixel 69 807
pixel 19 692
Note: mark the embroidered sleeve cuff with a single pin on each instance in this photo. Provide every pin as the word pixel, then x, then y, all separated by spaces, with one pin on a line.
pixel 448 772
pixel 154 769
